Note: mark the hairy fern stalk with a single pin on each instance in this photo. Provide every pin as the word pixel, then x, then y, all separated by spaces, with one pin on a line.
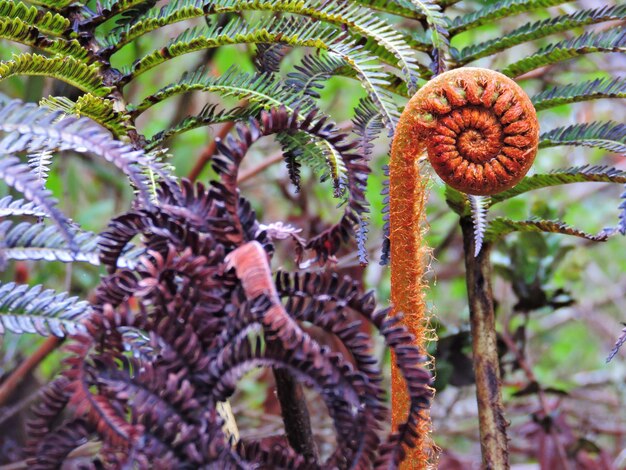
pixel 191 300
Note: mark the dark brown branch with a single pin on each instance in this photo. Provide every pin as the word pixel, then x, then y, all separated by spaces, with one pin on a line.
pixel 209 151
pixel 492 424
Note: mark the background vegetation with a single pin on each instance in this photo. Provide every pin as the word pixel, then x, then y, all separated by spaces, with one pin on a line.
pixel 559 299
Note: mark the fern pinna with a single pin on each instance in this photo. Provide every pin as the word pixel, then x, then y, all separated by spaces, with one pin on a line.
pixel 390 47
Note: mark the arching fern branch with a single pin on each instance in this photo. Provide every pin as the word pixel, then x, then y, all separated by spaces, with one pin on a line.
pixel 501 226
pixel 613 40
pixel 209 115
pixel 576 92
pixel 67 69
pixel 540 29
pixel 26 309
pixel 396 7
pixel 263 89
pixel 496 11
pixel 352 18
pixel 607 135
pixel 17 31
pixel 585 173
pixel 285 31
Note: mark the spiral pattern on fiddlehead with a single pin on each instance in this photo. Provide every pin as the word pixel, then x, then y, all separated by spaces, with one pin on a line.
pixel 479 127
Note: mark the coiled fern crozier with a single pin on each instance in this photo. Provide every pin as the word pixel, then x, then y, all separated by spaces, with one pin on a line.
pixel 189 304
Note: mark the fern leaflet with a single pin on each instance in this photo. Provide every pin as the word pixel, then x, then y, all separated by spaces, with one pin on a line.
pixel 47 23
pixel 26 309
pixel 439 33
pixel 613 40
pixel 38 241
pixel 496 11
pixel 576 92
pixel 97 109
pixel 19 207
pixel 70 70
pixel 608 135
pixel 540 29
pixel 501 226
pixel 585 173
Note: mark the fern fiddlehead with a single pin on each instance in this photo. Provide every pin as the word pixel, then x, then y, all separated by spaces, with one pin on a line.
pixel 481 134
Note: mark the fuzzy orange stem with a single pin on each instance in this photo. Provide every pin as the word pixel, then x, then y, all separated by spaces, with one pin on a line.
pixel 408 195
pixel 481 132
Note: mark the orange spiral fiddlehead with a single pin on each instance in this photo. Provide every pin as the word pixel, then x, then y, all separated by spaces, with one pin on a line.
pixel 480 131
pixel 479 127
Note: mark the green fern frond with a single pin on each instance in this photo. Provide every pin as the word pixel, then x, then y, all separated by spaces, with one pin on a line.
pixel 263 89
pixel 72 71
pixel 95 108
pixel 540 29
pixel 208 116
pixel 46 22
pixel 237 31
pixel 20 207
pixel 501 226
pixel 396 7
pixel 55 5
pixel 287 31
pixel 26 309
pixel 607 135
pixel 613 40
pixel 576 92
pixel 439 34
pixel 357 20
pixel 496 11
pixel 578 174
pixel 107 9
pixel 14 29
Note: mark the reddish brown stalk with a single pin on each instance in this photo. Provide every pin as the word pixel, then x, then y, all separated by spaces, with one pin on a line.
pixel 30 363
pixel 209 151
pixel 266 163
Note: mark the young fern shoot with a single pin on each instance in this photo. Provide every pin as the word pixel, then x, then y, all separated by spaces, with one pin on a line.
pixel 481 133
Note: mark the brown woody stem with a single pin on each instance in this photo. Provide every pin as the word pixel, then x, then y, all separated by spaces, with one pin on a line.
pixel 492 424
pixel 295 414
